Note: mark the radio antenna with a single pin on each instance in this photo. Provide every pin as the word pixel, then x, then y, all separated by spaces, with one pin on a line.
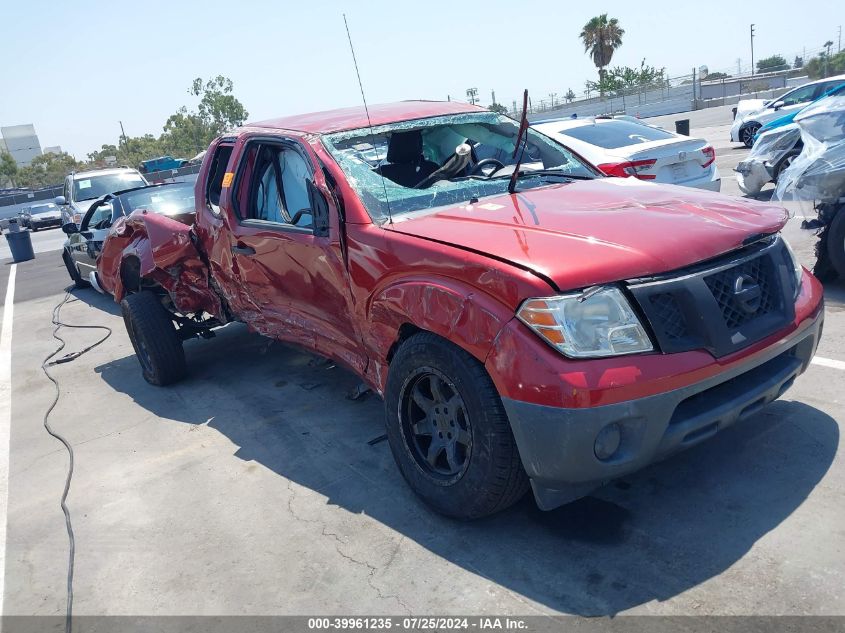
pixel 367 111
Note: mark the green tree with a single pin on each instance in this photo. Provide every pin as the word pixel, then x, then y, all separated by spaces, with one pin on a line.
pixel 835 64
pixel 716 75
pixel 601 37
pixel 498 107
pixel 8 168
pixel 188 132
pixel 798 63
pixel 625 78
pixel 569 96
pixel 47 170
pixel 771 64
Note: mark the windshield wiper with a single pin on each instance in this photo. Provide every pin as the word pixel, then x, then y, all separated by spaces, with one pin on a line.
pixel 552 172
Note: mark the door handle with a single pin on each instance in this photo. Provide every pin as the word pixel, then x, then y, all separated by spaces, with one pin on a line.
pixel 243 250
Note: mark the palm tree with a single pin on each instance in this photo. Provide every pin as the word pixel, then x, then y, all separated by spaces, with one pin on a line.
pixel 601 37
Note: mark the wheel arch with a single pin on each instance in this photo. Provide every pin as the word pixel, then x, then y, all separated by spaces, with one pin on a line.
pixel 455 311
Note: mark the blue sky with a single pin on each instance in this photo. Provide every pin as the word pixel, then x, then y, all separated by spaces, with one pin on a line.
pixel 101 62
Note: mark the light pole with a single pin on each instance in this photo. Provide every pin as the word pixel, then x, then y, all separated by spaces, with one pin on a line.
pixel 752 50
pixel 827 45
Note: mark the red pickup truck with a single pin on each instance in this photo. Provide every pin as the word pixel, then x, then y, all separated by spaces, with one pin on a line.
pixel 554 328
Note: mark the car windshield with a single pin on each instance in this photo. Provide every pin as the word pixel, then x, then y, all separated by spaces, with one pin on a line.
pixel 98 186
pixel 42 208
pixel 428 163
pixel 613 134
pixel 165 199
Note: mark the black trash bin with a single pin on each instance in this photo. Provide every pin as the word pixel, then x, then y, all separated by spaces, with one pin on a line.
pixel 682 127
pixel 20 242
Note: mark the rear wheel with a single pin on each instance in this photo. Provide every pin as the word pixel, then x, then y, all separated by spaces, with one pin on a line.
pixel 73 271
pixel 154 338
pixel 746 134
pixel 836 243
pixel 449 432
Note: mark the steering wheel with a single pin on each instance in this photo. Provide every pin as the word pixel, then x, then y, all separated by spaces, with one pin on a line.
pixel 486 162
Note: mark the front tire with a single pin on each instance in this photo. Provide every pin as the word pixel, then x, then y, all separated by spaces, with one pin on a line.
pixel 154 338
pixel 746 134
pixel 784 162
pixel 73 271
pixel 449 432
pixel 836 243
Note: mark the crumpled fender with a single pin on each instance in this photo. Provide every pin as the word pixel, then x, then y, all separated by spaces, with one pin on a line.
pixel 456 311
pixel 167 255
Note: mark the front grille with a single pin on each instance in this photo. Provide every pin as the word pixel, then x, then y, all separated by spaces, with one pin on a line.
pixel 668 314
pixel 722 306
pixel 722 285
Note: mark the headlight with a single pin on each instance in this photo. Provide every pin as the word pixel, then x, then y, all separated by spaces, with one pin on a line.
pixel 797 269
pixel 602 324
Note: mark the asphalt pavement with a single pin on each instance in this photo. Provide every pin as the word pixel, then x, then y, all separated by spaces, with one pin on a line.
pixel 253 487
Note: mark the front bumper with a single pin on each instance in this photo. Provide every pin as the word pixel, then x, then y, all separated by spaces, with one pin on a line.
pixel 752 176
pixel 45 223
pixel 735 130
pixel 557 444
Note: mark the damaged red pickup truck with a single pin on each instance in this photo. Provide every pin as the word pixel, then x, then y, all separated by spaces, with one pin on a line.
pixel 558 336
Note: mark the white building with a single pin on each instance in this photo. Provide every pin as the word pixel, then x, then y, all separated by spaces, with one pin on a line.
pixel 21 142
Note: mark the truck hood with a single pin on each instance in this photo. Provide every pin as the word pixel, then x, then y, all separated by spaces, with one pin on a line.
pixel 592 232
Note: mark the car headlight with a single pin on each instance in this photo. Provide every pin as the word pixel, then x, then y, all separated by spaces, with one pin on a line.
pixel 587 325
pixel 797 269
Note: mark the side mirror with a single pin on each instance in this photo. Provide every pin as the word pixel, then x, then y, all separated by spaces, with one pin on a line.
pixel 70 228
pixel 777 105
pixel 319 209
pixel 60 201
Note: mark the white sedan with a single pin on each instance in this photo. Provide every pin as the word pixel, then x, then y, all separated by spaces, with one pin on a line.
pixel 626 148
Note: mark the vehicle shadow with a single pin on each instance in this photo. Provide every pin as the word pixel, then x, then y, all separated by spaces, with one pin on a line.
pixel 94 299
pixel 648 537
pixel 834 293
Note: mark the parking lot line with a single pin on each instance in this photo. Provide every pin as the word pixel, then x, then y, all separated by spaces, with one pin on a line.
pixel 828 362
pixel 5 418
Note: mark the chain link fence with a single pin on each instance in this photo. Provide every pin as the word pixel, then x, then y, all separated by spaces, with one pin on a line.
pixel 668 96
pixel 48 193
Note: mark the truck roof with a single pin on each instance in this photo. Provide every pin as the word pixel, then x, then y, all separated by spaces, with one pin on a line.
pixel 356 117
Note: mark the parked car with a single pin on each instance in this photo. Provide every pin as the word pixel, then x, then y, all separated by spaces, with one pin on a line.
pixel 816 180
pixel 788 118
pixel 752 114
pixel 628 148
pixel 162 163
pixel 772 153
pixel 40 216
pixel 527 320
pixel 82 188
pixel 776 145
pixel 86 241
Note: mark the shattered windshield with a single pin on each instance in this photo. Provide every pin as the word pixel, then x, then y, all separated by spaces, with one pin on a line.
pixel 426 163
pixel 165 199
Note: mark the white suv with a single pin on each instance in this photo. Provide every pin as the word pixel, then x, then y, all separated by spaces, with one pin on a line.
pixel 82 188
pixel 752 114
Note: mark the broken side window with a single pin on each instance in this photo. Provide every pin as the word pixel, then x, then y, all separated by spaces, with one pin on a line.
pixel 217 173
